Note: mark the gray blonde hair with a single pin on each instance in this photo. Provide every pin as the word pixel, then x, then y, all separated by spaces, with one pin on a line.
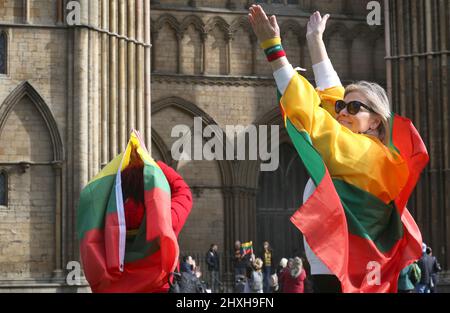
pixel 297 267
pixel 378 102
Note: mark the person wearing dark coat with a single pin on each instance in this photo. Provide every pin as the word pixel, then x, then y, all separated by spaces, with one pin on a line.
pixel 212 259
pixel 186 265
pixel 426 267
pixel 434 272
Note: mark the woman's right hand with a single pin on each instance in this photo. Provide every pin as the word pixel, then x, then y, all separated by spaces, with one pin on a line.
pixel 316 25
pixel 263 26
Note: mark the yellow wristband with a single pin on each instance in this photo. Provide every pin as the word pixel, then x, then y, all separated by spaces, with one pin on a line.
pixel 270 42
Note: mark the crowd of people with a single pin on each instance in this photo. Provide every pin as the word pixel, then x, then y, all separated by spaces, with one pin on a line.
pixel 260 274
pixel 252 274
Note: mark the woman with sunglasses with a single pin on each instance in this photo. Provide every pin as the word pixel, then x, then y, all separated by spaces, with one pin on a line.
pixel 348 127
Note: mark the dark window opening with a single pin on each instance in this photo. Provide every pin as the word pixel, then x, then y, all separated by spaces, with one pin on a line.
pixel 3 189
pixel 3 52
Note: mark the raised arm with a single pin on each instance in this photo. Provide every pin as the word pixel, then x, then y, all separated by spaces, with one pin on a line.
pixel 266 30
pixel 314 36
pixel 324 73
pixel 181 203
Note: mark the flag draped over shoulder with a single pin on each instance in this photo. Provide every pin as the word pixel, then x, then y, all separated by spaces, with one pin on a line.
pixel 111 262
pixel 356 221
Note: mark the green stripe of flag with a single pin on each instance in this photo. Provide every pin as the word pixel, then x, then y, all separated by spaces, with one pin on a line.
pixel 138 247
pixel 93 204
pixel 155 178
pixel 369 217
pixel 309 155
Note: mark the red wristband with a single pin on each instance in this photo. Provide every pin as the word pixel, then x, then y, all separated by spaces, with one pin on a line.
pixel 276 55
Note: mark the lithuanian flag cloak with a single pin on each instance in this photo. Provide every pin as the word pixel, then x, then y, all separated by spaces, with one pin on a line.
pixel 111 262
pixel 356 221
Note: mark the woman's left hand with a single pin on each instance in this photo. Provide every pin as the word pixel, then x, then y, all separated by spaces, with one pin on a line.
pixel 264 27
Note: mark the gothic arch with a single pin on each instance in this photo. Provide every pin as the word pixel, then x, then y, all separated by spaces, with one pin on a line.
pixel 162 147
pixel 294 26
pixel 194 110
pixel 337 29
pixel 193 20
pixel 167 19
pixel 247 173
pixel 219 22
pixel 362 31
pixel 241 22
pixel 26 89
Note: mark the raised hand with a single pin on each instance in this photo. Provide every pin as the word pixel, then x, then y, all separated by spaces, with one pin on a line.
pixel 316 25
pixel 264 27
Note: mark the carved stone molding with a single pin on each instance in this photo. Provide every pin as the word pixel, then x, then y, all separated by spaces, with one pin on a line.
pixel 235 81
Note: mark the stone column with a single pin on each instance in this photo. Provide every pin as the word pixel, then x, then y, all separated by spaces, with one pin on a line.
pixel 122 77
pixel 179 37
pixel 131 66
pixel 60 12
pixel 58 272
pixel 26 11
pixel 140 69
pixel 104 82
pixel 204 36
pixel 254 43
pixel 80 144
pixel 113 80
pixel 147 74
pixel 229 228
pixel 81 100
pixel 228 39
pixel 93 91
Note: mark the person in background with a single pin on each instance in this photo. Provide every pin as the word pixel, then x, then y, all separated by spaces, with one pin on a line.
pixel 212 259
pixel 256 280
pixel 268 265
pixel 409 277
pixel 434 272
pixel 293 280
pixel 238 260
pixel 280 268
pixel 426 267
pixel 187 265
pixel 283 274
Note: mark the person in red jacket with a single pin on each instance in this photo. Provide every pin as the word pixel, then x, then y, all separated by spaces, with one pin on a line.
pixel 294 279
pixel 133 195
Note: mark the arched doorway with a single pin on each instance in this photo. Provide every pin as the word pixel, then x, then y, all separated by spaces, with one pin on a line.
pixel 279 196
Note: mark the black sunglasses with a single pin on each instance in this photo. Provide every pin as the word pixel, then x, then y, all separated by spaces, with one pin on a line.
pixel 353 107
